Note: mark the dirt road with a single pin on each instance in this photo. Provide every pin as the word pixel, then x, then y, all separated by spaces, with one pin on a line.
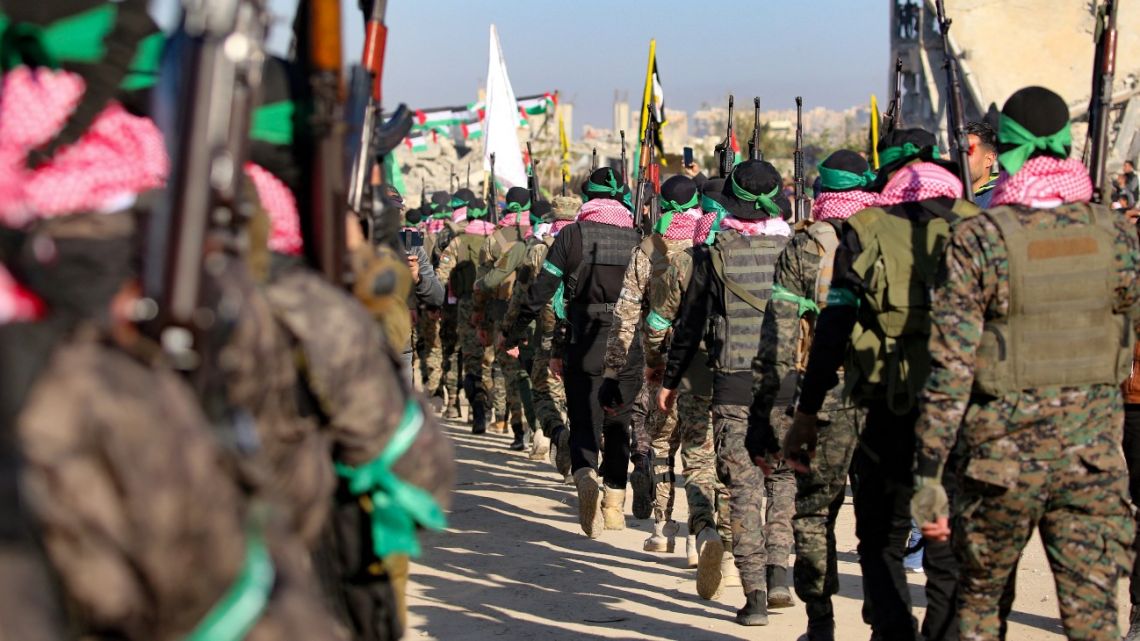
pixel 514 565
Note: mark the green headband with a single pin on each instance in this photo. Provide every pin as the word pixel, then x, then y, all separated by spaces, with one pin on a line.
pixel 841 179
pixel 1010 132
pixel 457 203
pixel 475 212
pixel 76 38
pixel 518 208
pixel 273 122
pixel 905 150
pixel 611 188
pixel 669 208
pixel 759 201
pixel 711 206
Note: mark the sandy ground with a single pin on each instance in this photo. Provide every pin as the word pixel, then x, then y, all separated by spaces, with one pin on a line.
pixel 515 565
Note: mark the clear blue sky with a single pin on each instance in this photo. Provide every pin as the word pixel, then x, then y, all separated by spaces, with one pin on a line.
pixel 832 52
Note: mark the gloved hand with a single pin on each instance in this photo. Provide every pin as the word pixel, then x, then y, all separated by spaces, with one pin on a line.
pixel 930 507
pixel 760 441
pixel 799 446
pixel 609 396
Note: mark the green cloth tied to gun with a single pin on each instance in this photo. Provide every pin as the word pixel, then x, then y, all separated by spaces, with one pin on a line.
pixel 235 615
pixel 398 507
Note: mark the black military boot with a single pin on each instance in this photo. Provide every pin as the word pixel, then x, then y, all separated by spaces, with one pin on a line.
pixel 755 610
pixel 821 621
pixel 779 596
pixel 478 417
pixel 641 478
pixel 1133 625
pixel 519 442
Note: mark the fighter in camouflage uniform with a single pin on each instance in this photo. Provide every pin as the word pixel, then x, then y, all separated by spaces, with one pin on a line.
pixel 705 494
pixel 877 319
pixel 725 300
pixel 672 234
pixel 498 259
pixel 803 276
pixel 457 267
pixel 439 330
pixel 1032 333
pixel 547 391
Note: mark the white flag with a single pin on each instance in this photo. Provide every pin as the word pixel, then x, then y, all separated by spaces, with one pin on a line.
pixel 500 129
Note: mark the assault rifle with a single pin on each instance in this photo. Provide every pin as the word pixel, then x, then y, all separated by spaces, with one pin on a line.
pixel 955 108
pixel 644 193
pixel 754 152
pixel 493 197
pixel 376 139
pixel 469 174
pixel 802 204
pixel 1104 70
pixel 893 118
pixel 623 178
pixel 203 103
pixel 594 160
pixel 726 158
pixel 532 176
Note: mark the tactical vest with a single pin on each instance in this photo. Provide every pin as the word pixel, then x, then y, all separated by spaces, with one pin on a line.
pixel 1061 329
pixel 512 251
pixel 889 358
pixel 746 266
pixel 463 275
pixel 601 245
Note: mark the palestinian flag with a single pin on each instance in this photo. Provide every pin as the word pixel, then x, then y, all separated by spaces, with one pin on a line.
pixel 472 130
pixel 538 105
pixel 416 141
pixel 736 157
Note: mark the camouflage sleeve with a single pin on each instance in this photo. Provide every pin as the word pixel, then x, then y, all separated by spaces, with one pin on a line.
pixel 968 280
pixel 627 313
pixel 447 262
pixel 664 301
pixel 527 271
pixel 780 333
pixel 1128 287
pixel 488 256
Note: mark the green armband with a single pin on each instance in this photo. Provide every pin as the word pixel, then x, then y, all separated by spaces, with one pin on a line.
pixel 552 269
pixel 657 322
pixel 838 296
pixel 241 606
pixel 779 292
pixel 398 507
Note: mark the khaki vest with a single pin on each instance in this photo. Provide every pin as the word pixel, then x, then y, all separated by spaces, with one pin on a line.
pixel 1061 329
pixel 746 266
pixel 463 276
pixel 889 359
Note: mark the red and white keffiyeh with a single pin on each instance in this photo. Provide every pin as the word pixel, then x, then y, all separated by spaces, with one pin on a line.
pixel 459 215
pixel 480 227
pixel 684 224
pixel 774 226
pixel 17 305
pixel 515 218
pixel 117 158
pixel 832 205
pixel 435 225
pixel 704 227
pixel 558 226
pixel 607 212
pixel 281 206
pixel 920 181
pixel 1044 182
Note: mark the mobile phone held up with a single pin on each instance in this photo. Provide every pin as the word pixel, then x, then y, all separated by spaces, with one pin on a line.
pixel 687 157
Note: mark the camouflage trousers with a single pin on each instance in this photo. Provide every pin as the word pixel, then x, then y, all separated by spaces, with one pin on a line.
pixel 430 349
pixel 760 508
pixel 819 496
pixel 502 386
pixel 472 350
pixel 1079 503
pixel 549 395
pixel 448 353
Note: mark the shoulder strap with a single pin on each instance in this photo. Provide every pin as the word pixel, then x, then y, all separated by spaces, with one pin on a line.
pixel 734 287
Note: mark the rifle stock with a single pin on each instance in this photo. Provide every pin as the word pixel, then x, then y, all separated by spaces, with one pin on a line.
pixel 955 112
pixel 893 118
pixel 624 180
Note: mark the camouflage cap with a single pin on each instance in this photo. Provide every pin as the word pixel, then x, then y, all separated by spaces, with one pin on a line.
pixel 566 207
